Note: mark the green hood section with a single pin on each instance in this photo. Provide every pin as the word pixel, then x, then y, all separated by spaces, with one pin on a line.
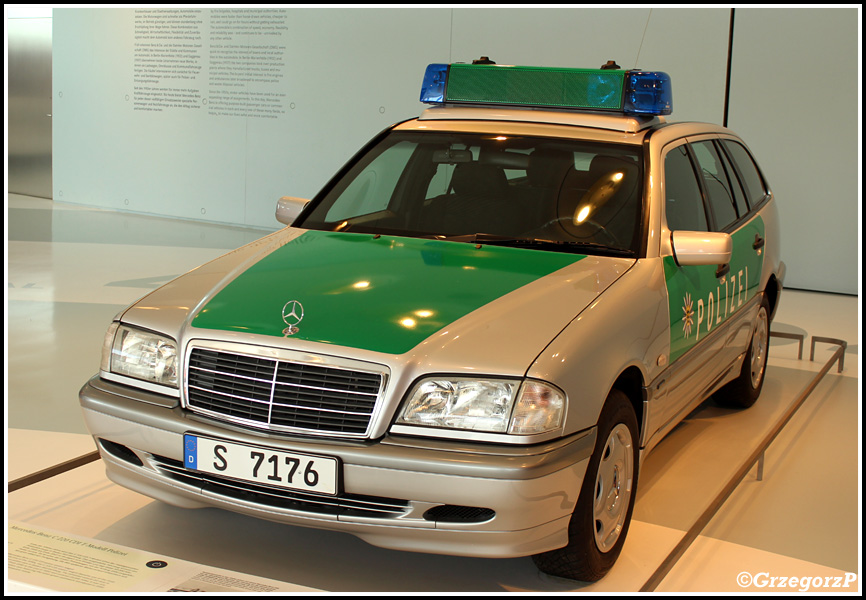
pixel 385 294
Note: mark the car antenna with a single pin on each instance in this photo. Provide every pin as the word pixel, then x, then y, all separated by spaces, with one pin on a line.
pixel 611 64
pixel 484 60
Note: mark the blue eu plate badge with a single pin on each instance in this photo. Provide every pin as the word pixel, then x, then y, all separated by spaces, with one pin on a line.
pixel 190 451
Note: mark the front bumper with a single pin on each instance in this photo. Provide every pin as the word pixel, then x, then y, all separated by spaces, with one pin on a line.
pixel 438 496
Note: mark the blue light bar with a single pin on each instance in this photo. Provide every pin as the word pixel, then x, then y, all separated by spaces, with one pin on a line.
pixel 647 93
pixel 630 92
pixel 433 86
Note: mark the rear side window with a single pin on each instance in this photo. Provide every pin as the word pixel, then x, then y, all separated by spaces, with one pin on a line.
pixel 716 183
pixel 751 178
pixel 684 206
pixel 735 185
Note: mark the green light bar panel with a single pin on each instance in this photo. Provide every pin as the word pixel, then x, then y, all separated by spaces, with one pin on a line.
pixel 538 86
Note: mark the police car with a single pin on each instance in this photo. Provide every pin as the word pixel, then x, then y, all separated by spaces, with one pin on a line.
pixel 469 339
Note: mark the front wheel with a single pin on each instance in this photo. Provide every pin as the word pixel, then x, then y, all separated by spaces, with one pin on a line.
pixel 599 523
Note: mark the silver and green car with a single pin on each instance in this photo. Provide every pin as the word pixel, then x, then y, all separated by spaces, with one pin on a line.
pixel 469 339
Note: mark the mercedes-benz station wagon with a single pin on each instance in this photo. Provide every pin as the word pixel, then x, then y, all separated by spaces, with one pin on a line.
pixel 468 341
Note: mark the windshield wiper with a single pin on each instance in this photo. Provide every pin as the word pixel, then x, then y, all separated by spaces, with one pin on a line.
pixel 551 245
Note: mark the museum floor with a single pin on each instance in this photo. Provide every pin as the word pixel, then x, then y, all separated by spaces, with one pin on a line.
pixel 71 269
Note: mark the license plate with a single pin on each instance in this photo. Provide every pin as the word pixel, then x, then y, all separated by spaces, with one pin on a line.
pixel 289 470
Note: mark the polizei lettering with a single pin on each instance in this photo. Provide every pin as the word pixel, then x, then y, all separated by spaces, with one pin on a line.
pixel 727 298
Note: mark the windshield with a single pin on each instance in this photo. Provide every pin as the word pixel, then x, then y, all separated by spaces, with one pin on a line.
pixel 544 193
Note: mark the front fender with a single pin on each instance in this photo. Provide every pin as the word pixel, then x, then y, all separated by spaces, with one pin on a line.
pixel 626 326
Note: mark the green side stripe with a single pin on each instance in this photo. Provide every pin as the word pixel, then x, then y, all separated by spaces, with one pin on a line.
pixel 385 294
pixel 698 301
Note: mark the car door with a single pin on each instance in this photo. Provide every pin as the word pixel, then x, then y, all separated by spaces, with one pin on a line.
pixel 691 290
pixel 729 212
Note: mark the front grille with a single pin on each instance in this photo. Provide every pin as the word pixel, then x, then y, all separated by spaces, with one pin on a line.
pixel 342 504
pixel 282 395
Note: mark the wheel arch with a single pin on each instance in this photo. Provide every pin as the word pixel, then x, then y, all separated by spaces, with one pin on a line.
pixel 773 290
pixel 631 383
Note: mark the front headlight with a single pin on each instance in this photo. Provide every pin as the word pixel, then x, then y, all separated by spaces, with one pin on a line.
pixel 140 354
pixel 493 405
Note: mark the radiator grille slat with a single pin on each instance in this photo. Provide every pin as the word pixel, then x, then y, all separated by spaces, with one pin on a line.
pixel 282 395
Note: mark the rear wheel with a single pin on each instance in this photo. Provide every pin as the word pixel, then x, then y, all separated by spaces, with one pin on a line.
pixel 599 523
pixel 743 391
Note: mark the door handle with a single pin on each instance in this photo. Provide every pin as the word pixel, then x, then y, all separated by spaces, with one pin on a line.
pixel 723 270
pixel 758 243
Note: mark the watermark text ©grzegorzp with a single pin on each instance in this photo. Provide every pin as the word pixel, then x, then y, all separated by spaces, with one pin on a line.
pixel 767 580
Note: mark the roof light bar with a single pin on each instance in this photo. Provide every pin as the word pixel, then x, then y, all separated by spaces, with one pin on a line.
pixel 647 93
pixel 433 86
pixel 630 92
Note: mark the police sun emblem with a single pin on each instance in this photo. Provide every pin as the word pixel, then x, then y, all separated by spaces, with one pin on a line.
pixel 293 313
pixel 688 315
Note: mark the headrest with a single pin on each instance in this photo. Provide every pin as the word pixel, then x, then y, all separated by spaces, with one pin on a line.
pixel 478 179
pixel 548 167
pixel 601 165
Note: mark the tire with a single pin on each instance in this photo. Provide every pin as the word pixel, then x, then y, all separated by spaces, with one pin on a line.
pixel 743 391
pixel 599 523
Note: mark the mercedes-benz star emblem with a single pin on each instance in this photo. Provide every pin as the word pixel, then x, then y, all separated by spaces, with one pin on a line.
pixel 293 313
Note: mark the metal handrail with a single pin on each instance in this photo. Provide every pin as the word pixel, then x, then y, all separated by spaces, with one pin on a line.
pixel 49 472
pixel 791 336
pixel 827 340
pixel 756 456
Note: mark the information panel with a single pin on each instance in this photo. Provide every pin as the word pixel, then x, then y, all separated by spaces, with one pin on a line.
pixel 43 560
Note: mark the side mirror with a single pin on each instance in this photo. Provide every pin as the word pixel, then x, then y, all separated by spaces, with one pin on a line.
pixel 701 248
pixel 288 209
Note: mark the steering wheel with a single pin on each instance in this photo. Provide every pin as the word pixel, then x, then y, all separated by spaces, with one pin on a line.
pixel 567 225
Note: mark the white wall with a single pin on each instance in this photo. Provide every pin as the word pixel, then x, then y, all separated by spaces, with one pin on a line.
pixel 346 75
pixel 342 75
pixel 795 98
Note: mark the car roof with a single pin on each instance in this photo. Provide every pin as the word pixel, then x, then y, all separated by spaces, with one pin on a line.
pixel 600 126
pixel 594 120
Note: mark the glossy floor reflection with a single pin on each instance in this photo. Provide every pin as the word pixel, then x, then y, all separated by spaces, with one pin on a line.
pixel 71 269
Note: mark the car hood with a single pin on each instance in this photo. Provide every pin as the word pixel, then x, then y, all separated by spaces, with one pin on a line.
pixel 393 295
